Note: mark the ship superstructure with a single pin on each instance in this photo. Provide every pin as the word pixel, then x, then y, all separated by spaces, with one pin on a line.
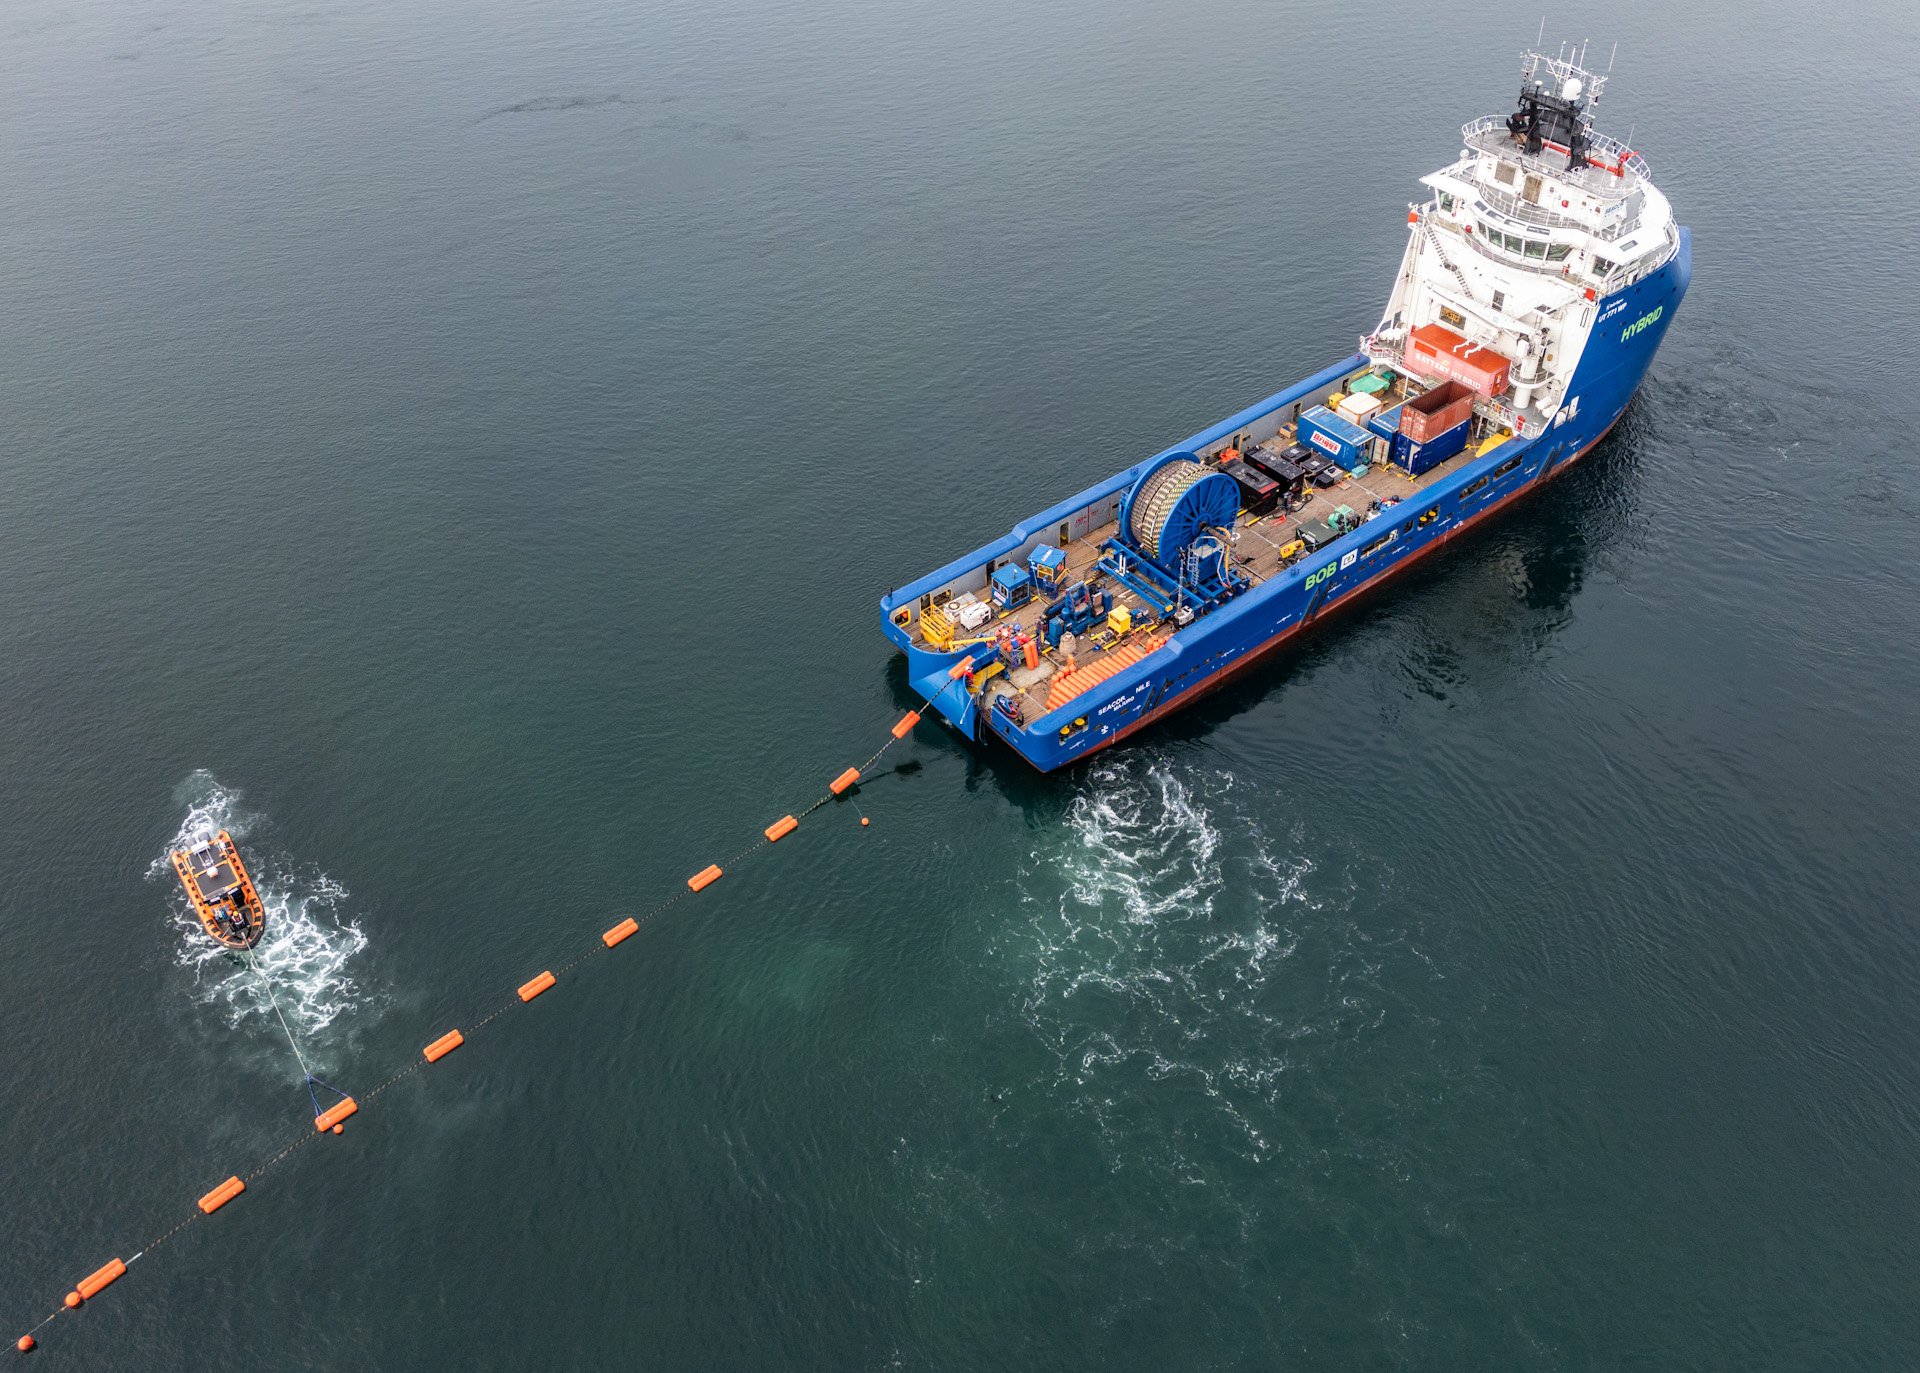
pixel 1538 222
pixel 1540 274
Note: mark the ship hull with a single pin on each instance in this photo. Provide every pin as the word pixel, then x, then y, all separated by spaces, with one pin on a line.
pixel 1628 329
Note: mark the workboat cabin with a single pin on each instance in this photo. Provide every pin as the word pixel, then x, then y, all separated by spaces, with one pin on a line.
pixel 1541 270
pixel 220 891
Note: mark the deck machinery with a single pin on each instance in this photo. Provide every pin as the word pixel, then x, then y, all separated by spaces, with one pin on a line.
pixel 1175 530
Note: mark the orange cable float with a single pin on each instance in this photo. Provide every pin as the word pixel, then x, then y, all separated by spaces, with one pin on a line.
pixel 907 722
pixel 960 669
pixel 529 990
pixel 334 1114
pixel 705 878
pixel 444 1045
pixel 221 1195
pixel 103 1276
pixel 619 932
pixel 781 828
pixel 839 785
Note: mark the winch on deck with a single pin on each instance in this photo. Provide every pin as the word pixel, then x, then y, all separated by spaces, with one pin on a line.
pixel 1175 528
pixel 1167 561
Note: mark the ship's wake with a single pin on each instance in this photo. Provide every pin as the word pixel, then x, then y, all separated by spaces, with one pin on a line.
pixel 1198 985
pixel 309 947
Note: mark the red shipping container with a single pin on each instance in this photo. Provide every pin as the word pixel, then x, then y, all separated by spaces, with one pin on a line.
pixel 1439 410
pixel 1433 350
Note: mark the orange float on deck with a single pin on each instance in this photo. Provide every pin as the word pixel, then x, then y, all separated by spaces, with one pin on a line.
pixel 846 779
pixel 444 1045
pixel 705 878
pixel 781 828
pixel 907 722
pixel 619 932
pixel 529 990
pixel 961 668
pixel 100 1277
pixel 333 1115
pixel 221 1195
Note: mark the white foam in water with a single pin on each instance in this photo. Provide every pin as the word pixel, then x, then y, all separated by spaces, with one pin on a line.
pixel 309 942
pixel 1160 916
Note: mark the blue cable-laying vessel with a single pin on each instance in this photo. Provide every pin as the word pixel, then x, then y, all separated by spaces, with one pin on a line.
pixel 1540 275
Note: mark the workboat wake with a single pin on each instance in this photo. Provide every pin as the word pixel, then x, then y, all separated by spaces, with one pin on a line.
pixel 309 944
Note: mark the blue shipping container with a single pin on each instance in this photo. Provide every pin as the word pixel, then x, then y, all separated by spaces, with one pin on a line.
pixel 1385 423
pixel 1340 440
pixel 1424 457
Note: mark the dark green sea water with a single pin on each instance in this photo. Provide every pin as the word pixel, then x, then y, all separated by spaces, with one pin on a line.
pixel 460 447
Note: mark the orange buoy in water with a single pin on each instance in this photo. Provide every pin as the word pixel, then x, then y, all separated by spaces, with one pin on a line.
pixel 339 1129
pixel 444 1045
pixel 864 822
pixel 529 990
pixel 907 722
pixel 24 1344
pixel 705 878
pixel 333 1115
pixel 619 932
pixel 73 1300
pixel 781 828
pixel 221 1195
pixel 100 1277
pixel 846 779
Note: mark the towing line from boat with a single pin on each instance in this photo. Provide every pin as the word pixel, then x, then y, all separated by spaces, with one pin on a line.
pixel 332 1119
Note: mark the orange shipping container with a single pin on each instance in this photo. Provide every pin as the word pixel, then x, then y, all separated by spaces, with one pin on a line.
pixel 1433 350
pixel 1444 407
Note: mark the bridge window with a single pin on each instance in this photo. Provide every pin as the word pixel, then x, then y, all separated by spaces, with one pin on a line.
pixel 1536 248
pixel 1601 267
pixel 1446 201
pixel 1557 252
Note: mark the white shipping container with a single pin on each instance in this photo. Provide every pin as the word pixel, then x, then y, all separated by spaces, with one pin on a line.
pixel 1355 408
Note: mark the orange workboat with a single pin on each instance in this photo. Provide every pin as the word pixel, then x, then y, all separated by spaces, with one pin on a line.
pixel 223 895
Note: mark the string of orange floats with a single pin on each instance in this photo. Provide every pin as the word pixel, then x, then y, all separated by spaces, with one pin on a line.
pixel 333 1119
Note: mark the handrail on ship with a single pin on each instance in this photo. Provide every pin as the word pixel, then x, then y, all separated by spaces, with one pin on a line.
pixel 1625 158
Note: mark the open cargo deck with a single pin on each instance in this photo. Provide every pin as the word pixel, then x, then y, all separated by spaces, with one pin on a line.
pixel 1058 676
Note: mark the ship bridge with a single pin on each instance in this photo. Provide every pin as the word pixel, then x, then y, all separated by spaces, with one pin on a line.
pixel 1526 234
